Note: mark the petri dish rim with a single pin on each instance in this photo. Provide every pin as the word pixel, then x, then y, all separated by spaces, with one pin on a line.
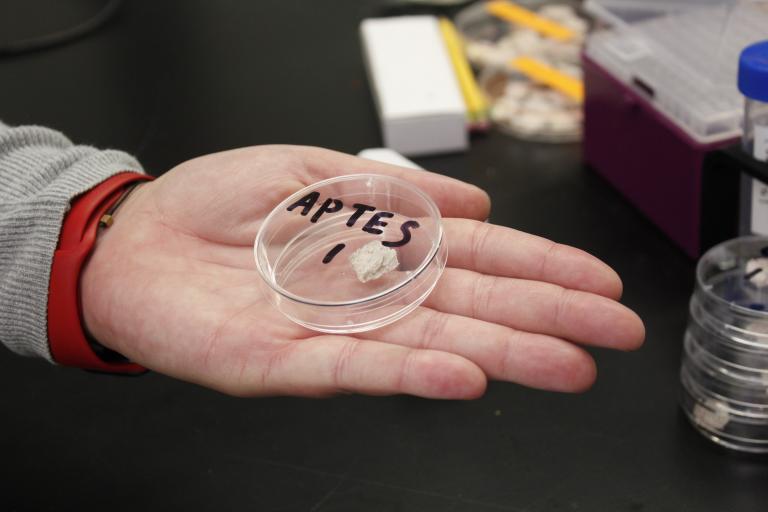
pixel 429 203
pixel 707 289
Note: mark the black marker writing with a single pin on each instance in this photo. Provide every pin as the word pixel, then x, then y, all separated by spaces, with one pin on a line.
pixel 333 252
pixel 752 274
pixel 370 227
pixel 326 207
pixel 359 211
pixel 405 228
pixel 331 205
pixel 308 201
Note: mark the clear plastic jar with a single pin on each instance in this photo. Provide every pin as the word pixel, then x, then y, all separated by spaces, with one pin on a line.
pixel 753 84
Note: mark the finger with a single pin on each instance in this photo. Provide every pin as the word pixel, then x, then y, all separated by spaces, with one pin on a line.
pixel 324 365
pixel 502 251
pixel 538 307
pixel 454 198
pixel 506 354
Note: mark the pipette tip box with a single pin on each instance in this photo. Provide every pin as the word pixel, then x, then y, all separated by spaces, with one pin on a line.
pixel 647 157
pixel 661 95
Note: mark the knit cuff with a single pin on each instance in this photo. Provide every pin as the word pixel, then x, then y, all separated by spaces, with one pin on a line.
pixel 40 172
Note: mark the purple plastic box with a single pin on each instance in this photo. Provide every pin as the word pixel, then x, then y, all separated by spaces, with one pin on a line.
pixel 649 159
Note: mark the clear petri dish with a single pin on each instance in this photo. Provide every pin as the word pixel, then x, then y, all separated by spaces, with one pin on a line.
pixel 351 253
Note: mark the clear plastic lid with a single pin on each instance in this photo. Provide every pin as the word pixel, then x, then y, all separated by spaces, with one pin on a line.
pixel 683 56
pixel 623 13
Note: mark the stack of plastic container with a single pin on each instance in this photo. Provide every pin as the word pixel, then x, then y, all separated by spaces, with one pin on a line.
pixel 724 373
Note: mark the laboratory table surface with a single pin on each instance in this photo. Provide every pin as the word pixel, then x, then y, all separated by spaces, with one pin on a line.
pixel 168 81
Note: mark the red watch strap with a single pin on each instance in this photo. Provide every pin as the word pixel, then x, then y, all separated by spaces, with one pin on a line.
pixel 66 336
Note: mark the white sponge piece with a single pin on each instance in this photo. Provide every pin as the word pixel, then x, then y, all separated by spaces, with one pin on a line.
pixel 712 414
pixel 757 270
pixel 373 260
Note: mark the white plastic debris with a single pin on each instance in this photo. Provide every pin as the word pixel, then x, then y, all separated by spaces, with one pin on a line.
pixel 711 415
pixel 541 103
pixel 558 12
pixel 487 55
pixel 501 112
pixel 563 122
pixel 529 122
pixel 517 89
pixel 558 54
pixel 757 270
pixel 373 260
pixel 523 42
pixel 577 25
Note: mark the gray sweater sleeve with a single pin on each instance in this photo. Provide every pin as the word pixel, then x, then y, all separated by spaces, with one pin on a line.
pixel 40 172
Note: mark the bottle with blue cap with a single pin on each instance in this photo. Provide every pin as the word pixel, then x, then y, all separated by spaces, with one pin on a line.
pixel 753 84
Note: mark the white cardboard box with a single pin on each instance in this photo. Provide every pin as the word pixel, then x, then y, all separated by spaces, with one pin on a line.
pixel 415 89
pixel 388 156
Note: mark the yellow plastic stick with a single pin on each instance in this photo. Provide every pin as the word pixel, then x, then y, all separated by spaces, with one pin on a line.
pixel 549 76
pixel 477 107
pixel 513 13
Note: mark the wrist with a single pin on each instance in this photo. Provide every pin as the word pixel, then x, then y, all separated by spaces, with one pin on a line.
pixel 68 341
pixel 101 268
pixel 103 254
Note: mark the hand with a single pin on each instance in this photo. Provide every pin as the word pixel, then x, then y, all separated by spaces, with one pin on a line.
pixel 172 285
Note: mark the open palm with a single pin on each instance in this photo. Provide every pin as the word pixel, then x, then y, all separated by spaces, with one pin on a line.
pixel 172 285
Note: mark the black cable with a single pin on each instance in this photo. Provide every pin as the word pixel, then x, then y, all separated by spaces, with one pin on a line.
pixel 67 35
